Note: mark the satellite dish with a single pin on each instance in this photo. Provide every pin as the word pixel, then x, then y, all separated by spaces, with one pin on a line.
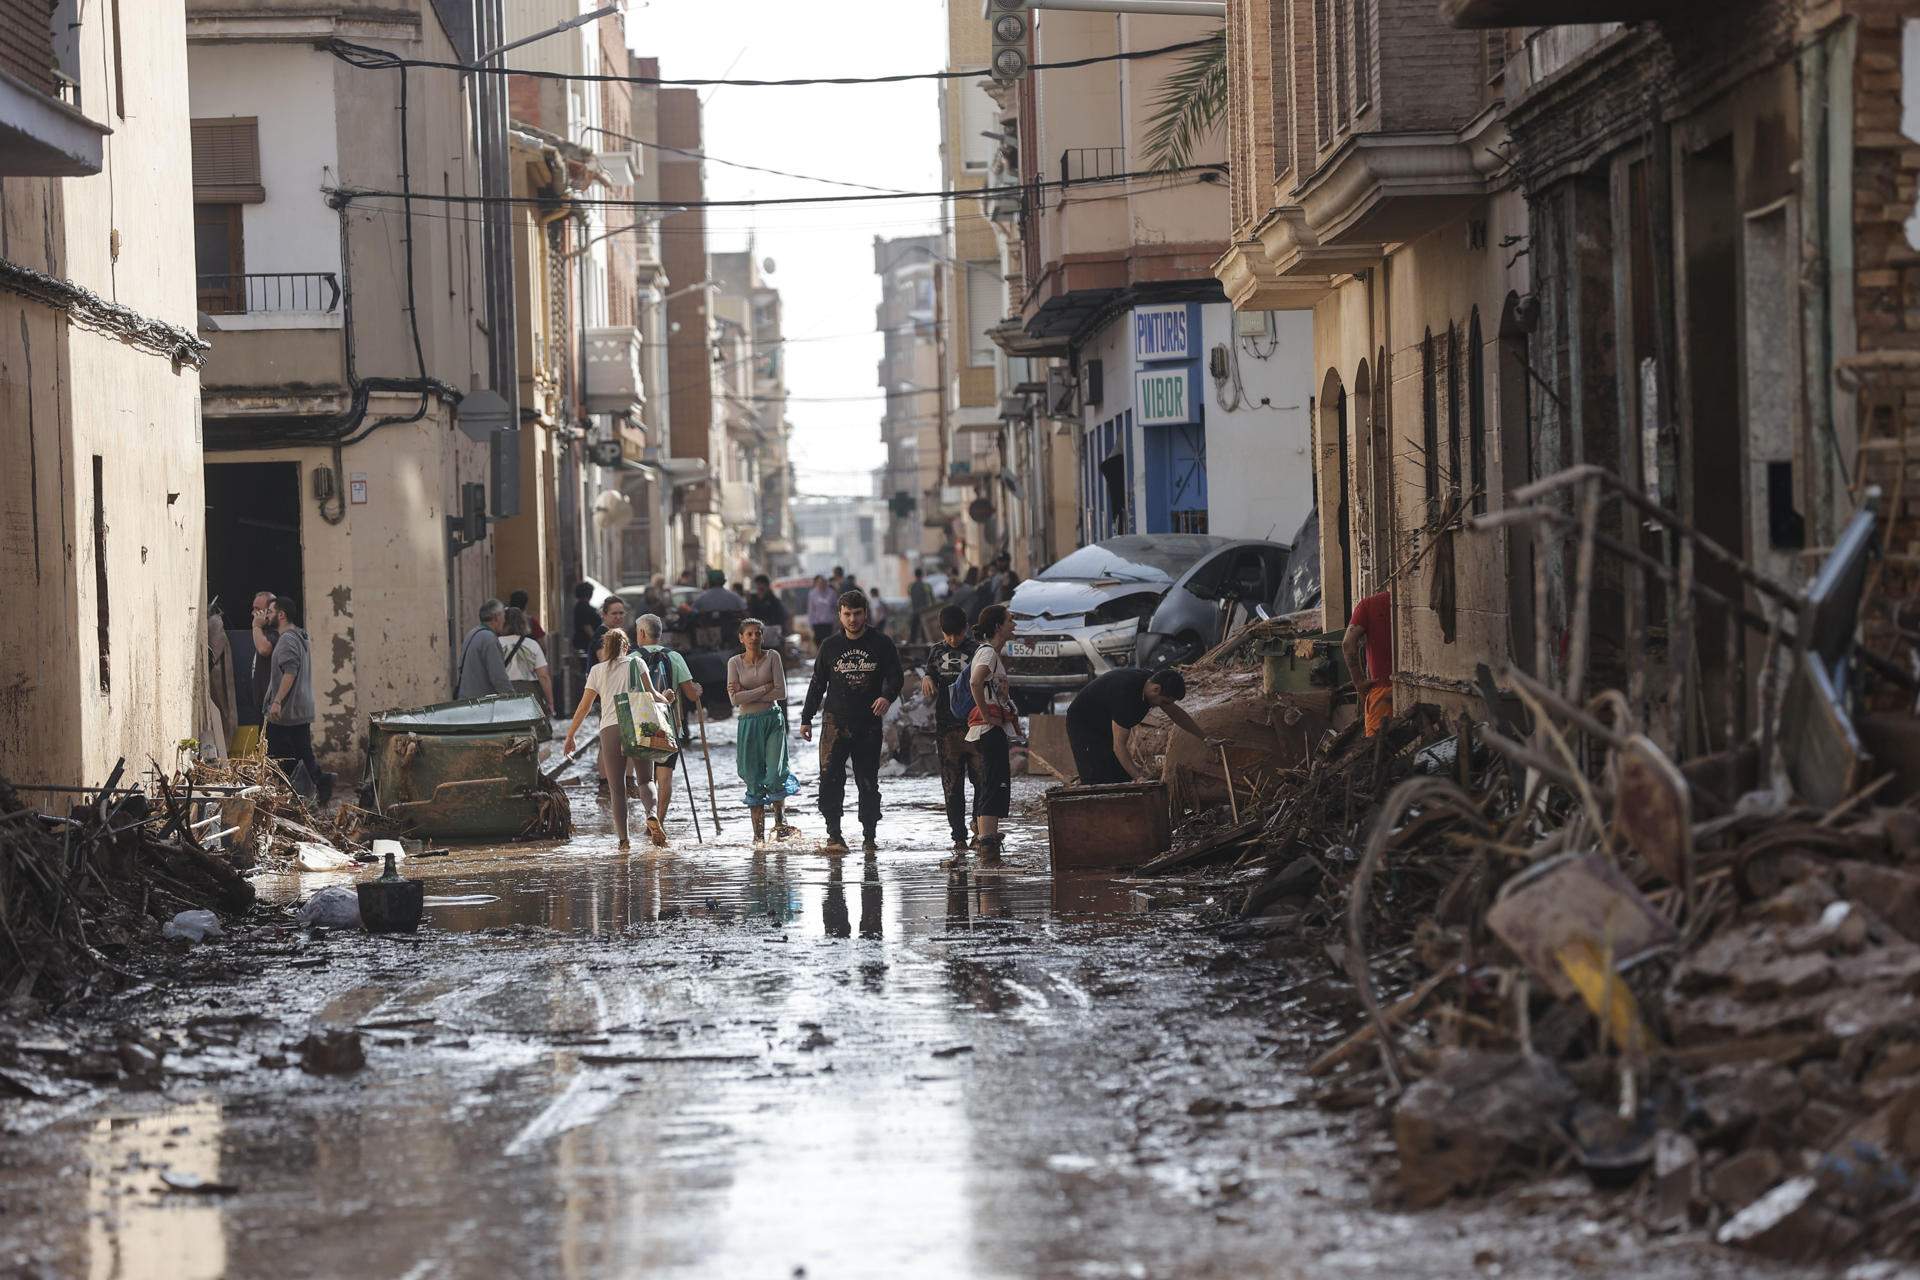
pixel 980 510
pixel 766 265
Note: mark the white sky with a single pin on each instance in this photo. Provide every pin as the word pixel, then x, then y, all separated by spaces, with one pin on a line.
pixel 883 135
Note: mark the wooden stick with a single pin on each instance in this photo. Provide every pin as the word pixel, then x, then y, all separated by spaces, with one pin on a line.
pixel 712 798
pixel 1233 800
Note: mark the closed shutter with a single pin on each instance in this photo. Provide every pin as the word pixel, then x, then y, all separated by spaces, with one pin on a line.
pixel 26 43
pixel 986 307
pixel 226 161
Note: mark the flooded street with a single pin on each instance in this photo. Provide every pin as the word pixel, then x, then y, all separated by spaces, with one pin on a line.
pixel 713 1060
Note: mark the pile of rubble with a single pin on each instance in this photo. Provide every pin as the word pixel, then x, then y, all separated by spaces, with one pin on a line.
pixel 267 825
pixel 82 893
pixel 1558 949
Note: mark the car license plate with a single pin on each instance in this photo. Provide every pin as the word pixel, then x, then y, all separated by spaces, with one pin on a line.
pixel 1033 648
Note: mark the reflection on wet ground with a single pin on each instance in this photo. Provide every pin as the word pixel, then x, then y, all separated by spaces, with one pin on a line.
pixel 716 1061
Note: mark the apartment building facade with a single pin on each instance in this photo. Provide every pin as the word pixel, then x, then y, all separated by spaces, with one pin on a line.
pixel 1369 189
pixel 750 361
pixel 104 624
pixel 914 422
pixel 346 331
pixel 1182 417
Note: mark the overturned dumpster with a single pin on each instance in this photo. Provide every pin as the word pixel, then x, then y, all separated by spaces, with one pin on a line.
pixel 467 770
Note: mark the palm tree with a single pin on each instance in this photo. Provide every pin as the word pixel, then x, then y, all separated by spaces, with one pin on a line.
pixel 1190 106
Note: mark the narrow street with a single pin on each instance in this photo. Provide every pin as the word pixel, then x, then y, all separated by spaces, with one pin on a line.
pixel 720 1061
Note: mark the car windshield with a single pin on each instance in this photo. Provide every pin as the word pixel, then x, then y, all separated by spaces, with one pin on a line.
pixel 1132 559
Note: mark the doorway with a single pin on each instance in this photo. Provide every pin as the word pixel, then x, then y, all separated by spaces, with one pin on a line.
pixel 1335 480
pixel 253 544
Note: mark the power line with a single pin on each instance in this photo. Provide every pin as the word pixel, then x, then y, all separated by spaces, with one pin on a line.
pixel 361 55
pixel 609 202
pixel 739 164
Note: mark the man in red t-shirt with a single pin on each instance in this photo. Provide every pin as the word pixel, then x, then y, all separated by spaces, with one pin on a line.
pixel 1371 630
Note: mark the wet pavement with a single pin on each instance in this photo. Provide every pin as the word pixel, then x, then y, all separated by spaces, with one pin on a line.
pixel 715 1060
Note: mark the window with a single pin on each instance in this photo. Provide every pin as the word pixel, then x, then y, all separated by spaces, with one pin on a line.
pixel 226 161
pixel 119 66
pixel 1453 411
pixel 978 117
pixel 218 259
pixel 1323 68
pixel 1340 63
pixel 1429 420
pixel 1476 414
pixel 1362 57
pixel 985 309
pixel 1496 51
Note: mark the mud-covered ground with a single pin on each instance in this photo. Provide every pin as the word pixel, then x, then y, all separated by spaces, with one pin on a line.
pixel 717 1061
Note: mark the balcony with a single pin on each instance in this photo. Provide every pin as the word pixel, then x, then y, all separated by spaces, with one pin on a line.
pixel 41 136
pixel 739 504
pixel 1549 13
pixel 286 295
pixel 613 371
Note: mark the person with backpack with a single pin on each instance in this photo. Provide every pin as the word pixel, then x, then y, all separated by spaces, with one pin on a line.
pixel 679 696
pixel 855 679
pixel 614 674
pixel 993 723
pixel 948 664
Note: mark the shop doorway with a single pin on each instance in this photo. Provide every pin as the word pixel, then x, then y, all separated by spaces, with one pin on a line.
pixel 253 544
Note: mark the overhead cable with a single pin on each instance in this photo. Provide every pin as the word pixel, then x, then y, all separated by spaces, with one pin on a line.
pixel 368 56
pixel 684 206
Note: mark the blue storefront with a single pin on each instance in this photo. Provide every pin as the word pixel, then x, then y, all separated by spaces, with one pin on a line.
pixel 1144 465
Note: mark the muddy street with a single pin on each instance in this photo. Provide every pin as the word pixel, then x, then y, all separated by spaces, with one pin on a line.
pixel 715 1060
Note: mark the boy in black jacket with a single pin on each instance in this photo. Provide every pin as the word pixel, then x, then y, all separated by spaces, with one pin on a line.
pixel 857 676
pixel 951 660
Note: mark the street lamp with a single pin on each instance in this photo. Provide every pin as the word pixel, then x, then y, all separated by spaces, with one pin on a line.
pixel 603 11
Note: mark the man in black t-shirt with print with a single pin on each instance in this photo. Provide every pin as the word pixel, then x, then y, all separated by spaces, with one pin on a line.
pixel 855 679
pixel 1103 716
pixel 948 661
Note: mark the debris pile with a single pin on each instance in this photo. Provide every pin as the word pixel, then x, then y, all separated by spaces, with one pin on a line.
pixel 80 894
pixel 269 826
pixel 1556 948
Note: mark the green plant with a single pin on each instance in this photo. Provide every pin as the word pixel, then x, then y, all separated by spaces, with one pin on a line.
pixel 1189 108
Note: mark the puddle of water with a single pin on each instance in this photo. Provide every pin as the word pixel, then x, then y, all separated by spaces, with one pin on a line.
pixel 909 887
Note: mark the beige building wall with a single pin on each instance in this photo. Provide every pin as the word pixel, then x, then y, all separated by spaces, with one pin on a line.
pixel 103 654
pixel 384 598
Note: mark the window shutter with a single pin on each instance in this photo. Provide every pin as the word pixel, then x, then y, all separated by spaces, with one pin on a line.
pixel 986 307
pixel 226 161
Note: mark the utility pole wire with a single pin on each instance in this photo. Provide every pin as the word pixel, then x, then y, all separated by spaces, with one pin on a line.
pixel 680 206
pixel 368 56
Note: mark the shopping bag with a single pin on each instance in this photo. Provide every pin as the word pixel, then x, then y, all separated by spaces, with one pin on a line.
pixel 645 731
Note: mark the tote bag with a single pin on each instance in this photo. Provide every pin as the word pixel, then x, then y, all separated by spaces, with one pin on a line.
pixel 644 730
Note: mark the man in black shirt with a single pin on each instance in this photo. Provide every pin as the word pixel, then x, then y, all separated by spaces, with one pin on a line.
pixel 856 678
pixel 1102 717
pixel 947 662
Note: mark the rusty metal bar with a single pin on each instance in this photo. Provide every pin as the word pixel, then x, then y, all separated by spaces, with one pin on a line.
pixel 1687 533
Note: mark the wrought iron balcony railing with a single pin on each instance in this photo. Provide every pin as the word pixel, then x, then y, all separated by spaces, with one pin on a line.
pixel 273 292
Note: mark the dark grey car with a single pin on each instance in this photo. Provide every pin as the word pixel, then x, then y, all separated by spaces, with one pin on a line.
pixel 1138 599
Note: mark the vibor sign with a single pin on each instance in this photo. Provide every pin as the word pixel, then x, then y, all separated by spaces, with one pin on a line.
pixel 1161 397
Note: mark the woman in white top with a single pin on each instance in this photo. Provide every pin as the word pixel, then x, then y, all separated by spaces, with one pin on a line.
pixel 991 726
pixel 609 678
pixel 526 663
pixel 757 682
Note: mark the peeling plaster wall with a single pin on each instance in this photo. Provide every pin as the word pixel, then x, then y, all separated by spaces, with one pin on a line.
pixel 1429 283
pixel 375 598
pixel 67 395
